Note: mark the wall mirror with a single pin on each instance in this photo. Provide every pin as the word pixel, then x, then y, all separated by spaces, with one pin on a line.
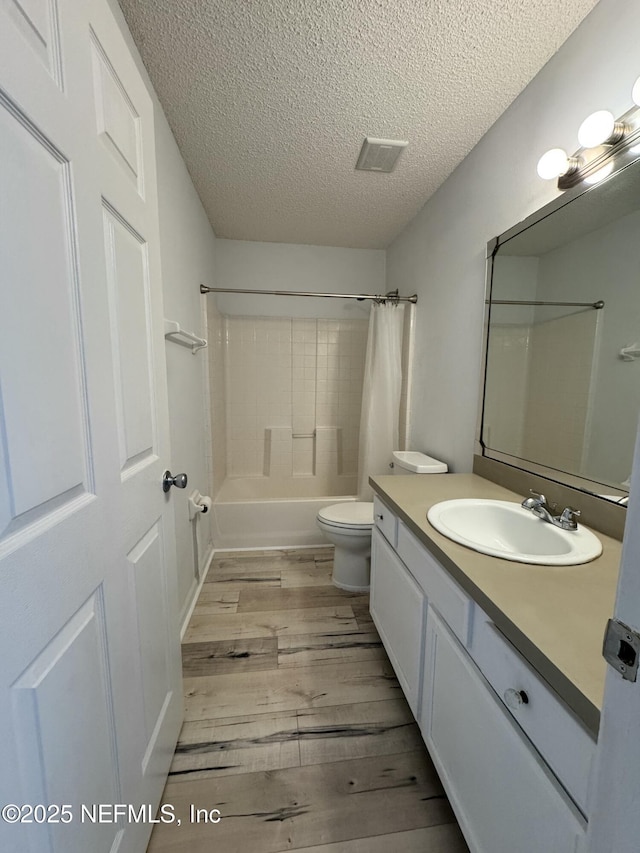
pixel 562 345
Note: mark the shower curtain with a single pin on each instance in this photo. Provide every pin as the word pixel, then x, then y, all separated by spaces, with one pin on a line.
pixel 380 394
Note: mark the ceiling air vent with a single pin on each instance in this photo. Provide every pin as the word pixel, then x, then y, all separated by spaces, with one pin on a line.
pixel 380 155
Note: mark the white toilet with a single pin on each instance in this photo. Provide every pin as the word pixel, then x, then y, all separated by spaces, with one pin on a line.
pixel 348 525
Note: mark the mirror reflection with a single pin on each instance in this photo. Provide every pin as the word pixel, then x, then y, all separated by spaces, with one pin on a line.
pixel 562 385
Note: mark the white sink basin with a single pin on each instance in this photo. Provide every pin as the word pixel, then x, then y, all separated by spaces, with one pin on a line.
pixel 507 530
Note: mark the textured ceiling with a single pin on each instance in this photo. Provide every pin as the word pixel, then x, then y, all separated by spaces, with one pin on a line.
pixel 270 101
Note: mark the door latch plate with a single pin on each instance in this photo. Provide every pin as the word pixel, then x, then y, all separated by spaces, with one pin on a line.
pixel 621 649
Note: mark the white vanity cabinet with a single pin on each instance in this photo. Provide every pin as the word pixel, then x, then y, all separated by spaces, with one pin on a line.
pixel 513 775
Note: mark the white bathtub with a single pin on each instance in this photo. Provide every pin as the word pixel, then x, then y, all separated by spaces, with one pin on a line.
pixel 256 512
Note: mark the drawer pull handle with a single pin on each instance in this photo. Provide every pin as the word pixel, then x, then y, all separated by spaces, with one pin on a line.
pixel 515 698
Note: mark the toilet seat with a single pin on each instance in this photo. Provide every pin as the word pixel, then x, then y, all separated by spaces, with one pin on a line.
pixel 357 515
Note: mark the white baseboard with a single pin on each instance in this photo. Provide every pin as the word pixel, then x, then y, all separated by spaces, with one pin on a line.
pixel 196 595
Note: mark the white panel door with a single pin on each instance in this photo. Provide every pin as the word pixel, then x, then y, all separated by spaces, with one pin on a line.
pixel 89 672
pixel 123 130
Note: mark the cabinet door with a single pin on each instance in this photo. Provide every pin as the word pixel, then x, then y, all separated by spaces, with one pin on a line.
pixel 504 796
pixel 397 608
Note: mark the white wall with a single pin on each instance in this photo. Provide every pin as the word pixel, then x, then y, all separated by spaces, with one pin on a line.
pixel 285 266
pixel 441 254
pixel 187 249
pixel 187 254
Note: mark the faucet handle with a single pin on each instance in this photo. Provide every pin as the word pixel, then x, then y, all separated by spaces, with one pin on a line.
pixel 535 503
pixel 568 519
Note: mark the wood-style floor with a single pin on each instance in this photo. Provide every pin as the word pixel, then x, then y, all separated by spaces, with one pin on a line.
pixel 296 728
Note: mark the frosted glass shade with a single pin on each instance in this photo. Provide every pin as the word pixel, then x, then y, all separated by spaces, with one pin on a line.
pixel 554 163
pixel 596 129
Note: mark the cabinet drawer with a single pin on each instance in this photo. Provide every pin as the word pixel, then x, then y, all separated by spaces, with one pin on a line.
pixel 558 736
pixel 385 521
pixel 442 591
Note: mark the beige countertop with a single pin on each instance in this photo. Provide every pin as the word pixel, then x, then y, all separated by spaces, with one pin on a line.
pixel 554 615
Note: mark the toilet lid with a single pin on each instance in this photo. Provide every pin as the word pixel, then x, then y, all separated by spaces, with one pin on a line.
pixel 419 463
pixel 348 514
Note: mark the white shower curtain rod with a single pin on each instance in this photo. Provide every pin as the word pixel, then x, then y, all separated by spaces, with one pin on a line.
pixel 392 296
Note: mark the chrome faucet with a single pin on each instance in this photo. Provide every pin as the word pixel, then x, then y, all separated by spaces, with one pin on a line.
pixel 567 519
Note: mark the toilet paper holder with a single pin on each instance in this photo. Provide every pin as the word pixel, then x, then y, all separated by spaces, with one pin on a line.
pixel 198 504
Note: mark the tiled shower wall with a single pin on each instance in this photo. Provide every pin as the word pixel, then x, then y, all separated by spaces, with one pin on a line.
pixel 506 387
pixel 292 393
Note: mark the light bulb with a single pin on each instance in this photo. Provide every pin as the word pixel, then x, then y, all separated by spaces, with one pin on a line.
pixel 635 92
pixel 554 163
pixel 596 129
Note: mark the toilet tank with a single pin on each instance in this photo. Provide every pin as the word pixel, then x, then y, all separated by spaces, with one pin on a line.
pixel 413 462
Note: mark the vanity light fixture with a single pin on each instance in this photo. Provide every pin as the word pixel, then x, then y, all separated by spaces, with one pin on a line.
pixel 602 138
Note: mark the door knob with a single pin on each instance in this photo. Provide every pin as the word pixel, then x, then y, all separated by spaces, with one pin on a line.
pixel 515 698
pixel 168 480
